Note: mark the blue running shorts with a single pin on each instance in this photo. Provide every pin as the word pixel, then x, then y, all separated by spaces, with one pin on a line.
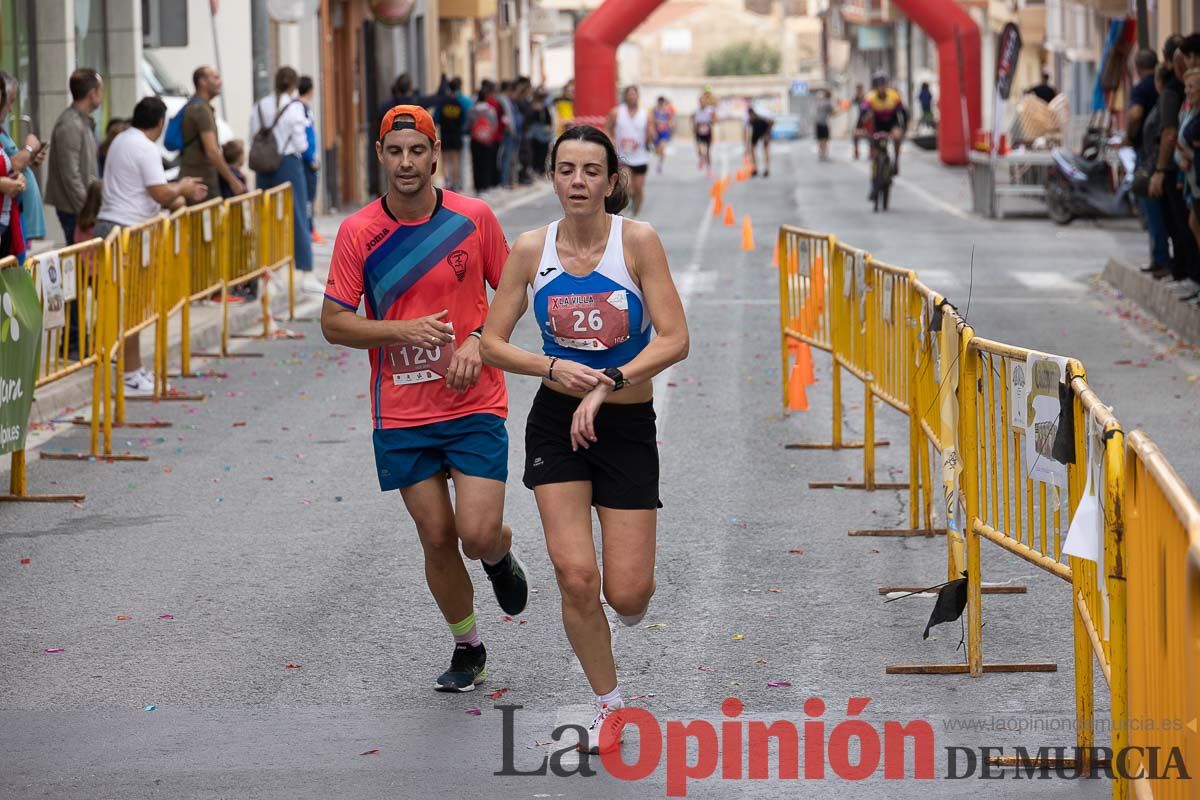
pixel 475 445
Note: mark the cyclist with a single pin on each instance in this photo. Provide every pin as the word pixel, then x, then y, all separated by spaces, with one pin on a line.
pixel 885 113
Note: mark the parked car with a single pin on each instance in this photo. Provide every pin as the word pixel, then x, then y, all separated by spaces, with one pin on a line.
pixel 157 81
pixel 787 126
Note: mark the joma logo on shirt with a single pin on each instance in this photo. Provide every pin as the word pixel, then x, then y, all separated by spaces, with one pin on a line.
pixel 376 239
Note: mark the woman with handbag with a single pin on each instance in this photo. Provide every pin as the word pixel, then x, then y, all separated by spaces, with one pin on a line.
pixel 279 136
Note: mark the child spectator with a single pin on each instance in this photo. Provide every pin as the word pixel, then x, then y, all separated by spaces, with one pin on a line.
pixel 85 223
pixel 235 155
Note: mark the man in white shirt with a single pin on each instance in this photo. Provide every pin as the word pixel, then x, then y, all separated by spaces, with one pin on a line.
pixel 135 190
pixel 283 112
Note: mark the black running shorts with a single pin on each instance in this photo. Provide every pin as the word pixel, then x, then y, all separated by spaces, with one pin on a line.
pixel 622 464
pixel 639 169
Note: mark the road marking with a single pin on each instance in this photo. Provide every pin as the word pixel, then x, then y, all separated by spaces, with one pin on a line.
pixel 865 168
pixel 701 282
pixel 936 279
pixel 1043 281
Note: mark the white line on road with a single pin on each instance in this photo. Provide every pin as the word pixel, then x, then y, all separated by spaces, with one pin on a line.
pixel 1043 281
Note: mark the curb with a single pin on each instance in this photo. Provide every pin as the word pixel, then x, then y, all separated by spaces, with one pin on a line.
pixel 52 401
pixel 1154 296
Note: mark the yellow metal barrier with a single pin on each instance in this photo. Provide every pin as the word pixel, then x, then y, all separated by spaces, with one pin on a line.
pixel 1024 442
pixel 1162 572
pixel 243 264
pixel 276 239
pixel 143 258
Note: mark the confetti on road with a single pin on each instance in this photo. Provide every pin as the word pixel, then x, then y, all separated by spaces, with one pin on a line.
pixel 290 665
pixel 777 684
pixel 374 752
pixel 53 650
pixel 474 712
pixel 496 695
pixel 150 707
pixel 703 668
pixel 166 616
pixel 796 552
pixel 738 637
pixel 240 424
pixel 26 560
pixel 654 625
pixel 122 618
pixel 774 590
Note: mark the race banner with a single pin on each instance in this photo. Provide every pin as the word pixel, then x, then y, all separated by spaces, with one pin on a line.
pixel 20 345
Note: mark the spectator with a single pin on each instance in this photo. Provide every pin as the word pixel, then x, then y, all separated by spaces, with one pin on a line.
pixel 73 150
pixel 12 242
pixel 1043 91
pixel 1189 146
pixel 234 153
pixel 509 134
pixel 283 113
pixel 523 108
pixel 1165 181
pixel 564 107
pixel 24 160
pixel 824 111
pixel 486 133
pixel 466 102
pixel 135 190
pixel 541 131
pixel 858 109
pixel 312 162
pixel 925 98
pixel 450 115
pixel 116 126
pixel 85 223
pixel 1142 102
pixel 201 156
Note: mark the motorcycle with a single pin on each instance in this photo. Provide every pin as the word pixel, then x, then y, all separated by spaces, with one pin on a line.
pixel 1080 185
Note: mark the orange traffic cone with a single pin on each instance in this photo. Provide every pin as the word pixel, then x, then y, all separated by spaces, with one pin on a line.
pixel 818 283
pixel 797 397
pixel 718 205
pixel 747 234
pixel 729 222
pixel 793 262
pixel 805 364
pixel 775 255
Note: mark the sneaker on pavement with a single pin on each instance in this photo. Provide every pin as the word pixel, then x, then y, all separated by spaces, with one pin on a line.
pixel 139 383
pixel 310 284
pixel 599 740
pixel 509 583
pixel 468 668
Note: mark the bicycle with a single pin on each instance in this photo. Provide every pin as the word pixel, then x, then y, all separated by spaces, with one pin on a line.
pixel 881 170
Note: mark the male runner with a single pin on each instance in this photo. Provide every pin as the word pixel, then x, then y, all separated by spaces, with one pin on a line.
pixel 632 131
pixel 664 123
pixel 419 256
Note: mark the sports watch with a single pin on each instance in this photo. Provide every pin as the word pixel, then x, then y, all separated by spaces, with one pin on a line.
pixel 617 377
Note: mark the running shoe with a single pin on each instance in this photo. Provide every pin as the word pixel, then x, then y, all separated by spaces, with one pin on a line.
pixel 509 583
pixel 468 668
pixel 139 383
pixel 598 741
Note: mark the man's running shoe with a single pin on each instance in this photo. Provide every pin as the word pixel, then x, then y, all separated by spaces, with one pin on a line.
pixel 509 583
pixel 598 739
pixel 468 668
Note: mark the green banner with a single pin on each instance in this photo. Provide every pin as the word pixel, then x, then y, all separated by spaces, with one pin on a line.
pixel 20 343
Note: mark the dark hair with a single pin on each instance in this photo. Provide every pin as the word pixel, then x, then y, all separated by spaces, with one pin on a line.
pixel 1170 46
pixel 586 133
pixel 83 81
pixel 1146 59
pixel 402 85
pixel 91 205
pixel 1190 45
pixel 285 80
pixel 304 85
pixel 148 113
pixel 232 151
pixel 1163 73
pixel 456 85
pixel 505 86
pixel 1045 77
pixel 198 76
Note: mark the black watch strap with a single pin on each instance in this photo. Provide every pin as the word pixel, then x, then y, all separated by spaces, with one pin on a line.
pixel 618 377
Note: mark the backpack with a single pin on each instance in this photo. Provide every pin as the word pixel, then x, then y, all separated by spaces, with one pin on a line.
pixel 173 138
pixel 485 124
pixel 264 150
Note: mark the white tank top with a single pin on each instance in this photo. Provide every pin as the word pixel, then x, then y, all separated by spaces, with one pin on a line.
pixel 631 136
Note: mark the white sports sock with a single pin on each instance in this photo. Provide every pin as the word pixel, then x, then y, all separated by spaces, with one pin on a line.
pixel 612 699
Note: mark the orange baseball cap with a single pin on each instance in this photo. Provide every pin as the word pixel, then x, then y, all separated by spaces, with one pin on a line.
pixel 421 122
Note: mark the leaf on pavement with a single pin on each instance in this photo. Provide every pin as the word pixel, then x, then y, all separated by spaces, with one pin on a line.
pixel 373 752
pixel 496 695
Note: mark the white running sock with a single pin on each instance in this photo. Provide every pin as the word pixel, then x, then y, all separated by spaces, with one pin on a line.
pixel 612 699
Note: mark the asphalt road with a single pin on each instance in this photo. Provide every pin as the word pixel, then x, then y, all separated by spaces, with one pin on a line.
pixel 258 527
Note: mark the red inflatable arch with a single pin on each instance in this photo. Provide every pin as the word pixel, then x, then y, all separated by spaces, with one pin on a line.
pixel 945 21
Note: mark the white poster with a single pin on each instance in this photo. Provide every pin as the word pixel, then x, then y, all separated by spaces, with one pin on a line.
pixel 145 249
pixel 279 205
pixel 1085 537
pixel 50 273
pixel 1044 373
pixel 177 225
pixel 847 274
pixel 887 297
pixel 70 290
pixel 247 218
pixel 1016 394
pixel 206 225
